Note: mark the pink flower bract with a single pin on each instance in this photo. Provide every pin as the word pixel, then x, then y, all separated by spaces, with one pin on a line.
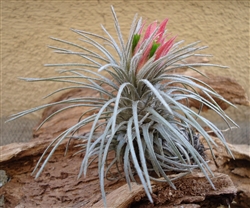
pixel 158 47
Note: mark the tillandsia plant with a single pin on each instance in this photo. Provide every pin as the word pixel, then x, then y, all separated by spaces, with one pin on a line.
pixel 143 110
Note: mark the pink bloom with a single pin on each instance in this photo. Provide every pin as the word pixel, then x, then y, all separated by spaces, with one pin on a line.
pixel 159 46
pixel 164 48
pixel 151 28
pixel 161 31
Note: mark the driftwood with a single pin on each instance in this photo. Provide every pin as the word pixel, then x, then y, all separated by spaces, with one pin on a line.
pixel 192 189
pixel 58 185
pixel 238 169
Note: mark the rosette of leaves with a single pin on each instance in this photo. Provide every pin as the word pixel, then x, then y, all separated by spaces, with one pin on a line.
pixel 143 114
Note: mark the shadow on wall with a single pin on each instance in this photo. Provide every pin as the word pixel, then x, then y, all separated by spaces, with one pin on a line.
pixel 239 135
pixel 19 130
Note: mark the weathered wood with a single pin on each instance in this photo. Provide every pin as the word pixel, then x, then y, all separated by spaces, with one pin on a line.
pixel 58 184
pixel 193 188
pixel 238 169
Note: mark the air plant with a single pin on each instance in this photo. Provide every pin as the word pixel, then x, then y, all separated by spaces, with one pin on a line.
pixel 143 110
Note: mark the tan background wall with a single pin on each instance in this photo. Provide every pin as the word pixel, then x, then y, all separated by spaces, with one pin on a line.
pixel 27 26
